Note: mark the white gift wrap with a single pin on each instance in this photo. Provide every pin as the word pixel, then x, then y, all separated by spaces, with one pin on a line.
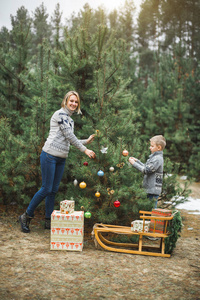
pixel 137 226
pixel 67 231
pixel 67 206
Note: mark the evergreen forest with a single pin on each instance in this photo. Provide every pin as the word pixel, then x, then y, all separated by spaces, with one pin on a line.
pixel 137 76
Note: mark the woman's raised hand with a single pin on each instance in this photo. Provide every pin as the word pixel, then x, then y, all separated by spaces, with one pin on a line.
pixel 91 138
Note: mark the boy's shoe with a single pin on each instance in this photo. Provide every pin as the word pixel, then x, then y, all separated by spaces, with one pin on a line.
pixel 47 224
pixel 25 220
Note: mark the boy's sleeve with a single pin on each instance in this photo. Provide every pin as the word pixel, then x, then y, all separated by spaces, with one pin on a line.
pixel 139 165
pixel 148 168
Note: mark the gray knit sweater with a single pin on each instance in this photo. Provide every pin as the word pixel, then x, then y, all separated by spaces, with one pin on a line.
pixel 153 172
pixel 61 135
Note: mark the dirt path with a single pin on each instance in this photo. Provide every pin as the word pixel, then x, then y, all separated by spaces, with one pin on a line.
pixel 29 270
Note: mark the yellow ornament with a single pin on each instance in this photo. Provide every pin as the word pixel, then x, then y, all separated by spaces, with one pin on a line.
pixel 97 194
pixel 82 185
pixel 98 133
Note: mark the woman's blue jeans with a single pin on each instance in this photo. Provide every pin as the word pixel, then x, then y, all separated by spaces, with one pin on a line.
pixel 154 198
pixel 52 168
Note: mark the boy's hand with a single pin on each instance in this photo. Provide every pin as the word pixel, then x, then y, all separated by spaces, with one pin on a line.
pixel 132 160
pixel 91 138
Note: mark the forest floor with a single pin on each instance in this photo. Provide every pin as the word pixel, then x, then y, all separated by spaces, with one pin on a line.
pixel 30 270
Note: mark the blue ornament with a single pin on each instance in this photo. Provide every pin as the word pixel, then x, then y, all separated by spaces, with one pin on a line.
pixel 100 173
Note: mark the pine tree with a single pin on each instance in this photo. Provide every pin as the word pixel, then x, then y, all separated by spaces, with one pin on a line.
pixel 92 64
pixel 57 28
pixel 41 28
pixel 13 172
pixel 123 102
pixel 15 60
pixel 24 106
pixel 192 94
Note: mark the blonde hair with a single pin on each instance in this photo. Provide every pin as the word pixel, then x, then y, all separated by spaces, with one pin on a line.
pixel 66 98
pixel 159 140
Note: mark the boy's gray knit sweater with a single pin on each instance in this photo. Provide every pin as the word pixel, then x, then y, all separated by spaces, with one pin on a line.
pixel 61 135
pixel 153 170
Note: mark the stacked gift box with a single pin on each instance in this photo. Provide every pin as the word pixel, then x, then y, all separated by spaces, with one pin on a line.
pixel 137 226
pixel 67 207
pixel 67 228
pixel 160 225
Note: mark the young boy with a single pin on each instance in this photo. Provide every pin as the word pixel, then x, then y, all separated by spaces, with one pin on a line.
pixel 153 168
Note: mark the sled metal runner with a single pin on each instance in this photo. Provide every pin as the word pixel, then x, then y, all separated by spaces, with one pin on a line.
pixel 139 248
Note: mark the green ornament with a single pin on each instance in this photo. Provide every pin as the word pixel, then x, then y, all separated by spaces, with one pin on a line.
pixel 87 215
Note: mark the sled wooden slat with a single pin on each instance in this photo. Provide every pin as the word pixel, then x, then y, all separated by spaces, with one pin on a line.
pixel 140 248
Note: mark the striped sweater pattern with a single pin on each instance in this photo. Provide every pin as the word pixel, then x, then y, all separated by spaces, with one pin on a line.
pixel 61 135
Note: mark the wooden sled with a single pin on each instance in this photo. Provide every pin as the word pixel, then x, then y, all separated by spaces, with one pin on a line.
pixel 139 248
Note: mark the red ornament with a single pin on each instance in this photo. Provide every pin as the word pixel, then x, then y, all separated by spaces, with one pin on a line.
pixel 85 163
pixel 125 152
pixel 117 203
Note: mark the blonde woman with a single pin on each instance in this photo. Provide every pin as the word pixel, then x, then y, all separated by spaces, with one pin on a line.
pixel 53 157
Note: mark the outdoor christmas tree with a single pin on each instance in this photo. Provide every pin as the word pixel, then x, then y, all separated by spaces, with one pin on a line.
pixel 92 65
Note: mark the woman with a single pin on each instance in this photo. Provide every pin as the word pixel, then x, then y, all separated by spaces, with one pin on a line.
pixel 53 157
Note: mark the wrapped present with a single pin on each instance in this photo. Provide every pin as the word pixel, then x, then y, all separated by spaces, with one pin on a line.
pixel 67 206
pixel 67 231
pixel 160 225
pixel 137 226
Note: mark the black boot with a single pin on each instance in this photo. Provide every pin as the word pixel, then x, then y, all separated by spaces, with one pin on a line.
pixel 25 220
pixel 47 224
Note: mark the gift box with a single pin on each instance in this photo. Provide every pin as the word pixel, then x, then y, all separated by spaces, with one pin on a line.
pixel 67 231
pixel 67 206
pixel 160 225
pixel 137 226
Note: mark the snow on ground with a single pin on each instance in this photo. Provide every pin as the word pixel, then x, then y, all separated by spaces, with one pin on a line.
pixel 192 205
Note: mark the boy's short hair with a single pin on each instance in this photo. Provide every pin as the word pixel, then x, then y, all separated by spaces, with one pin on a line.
pixel 159 140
